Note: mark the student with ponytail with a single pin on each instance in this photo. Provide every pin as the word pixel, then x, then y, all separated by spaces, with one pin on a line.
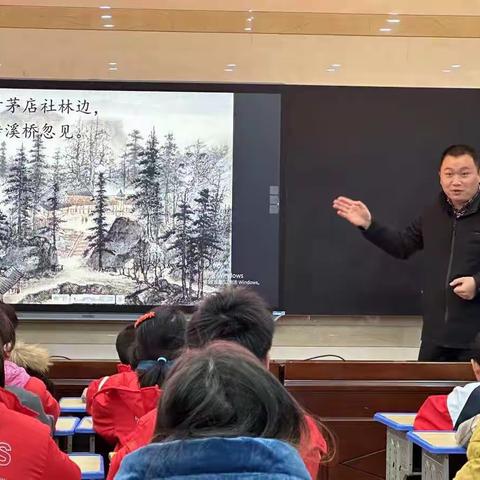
pixel 241 316
pixel 27 449
pixel 117 402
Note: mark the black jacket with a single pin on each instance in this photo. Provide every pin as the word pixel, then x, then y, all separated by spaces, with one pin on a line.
pixel 451 247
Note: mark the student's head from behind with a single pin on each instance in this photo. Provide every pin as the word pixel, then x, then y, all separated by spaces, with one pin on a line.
pixel 475 358
pixel 223 390
pixel 124 344
pixel 10 313
pixel 237 315
pixel 459 173
pixel 7 334
pixel 159 340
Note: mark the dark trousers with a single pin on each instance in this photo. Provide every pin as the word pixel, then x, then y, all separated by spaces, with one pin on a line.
pixel 430 352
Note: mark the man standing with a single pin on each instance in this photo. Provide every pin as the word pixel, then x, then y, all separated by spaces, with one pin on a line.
pixel 449 233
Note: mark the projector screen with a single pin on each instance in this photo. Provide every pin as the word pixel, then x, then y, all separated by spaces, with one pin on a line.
pixel 125 199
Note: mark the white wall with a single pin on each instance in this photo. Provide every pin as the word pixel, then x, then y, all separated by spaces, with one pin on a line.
pixel 353 338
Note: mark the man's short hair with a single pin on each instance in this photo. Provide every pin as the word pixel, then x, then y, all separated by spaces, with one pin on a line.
pixel 458 151
pixel 235 314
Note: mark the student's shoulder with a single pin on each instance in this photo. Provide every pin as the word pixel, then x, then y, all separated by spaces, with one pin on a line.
pixel 29 424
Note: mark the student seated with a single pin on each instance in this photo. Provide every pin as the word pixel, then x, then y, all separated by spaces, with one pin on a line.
pixel 33 358
pixel 222 414
pixel 117 402
pixel 16 376
pixel 447 412
pixel 468 436
pixel 238 315
pixel 124 345
pixel 27 450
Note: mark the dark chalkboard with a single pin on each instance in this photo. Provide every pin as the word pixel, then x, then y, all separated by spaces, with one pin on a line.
pixel 380 145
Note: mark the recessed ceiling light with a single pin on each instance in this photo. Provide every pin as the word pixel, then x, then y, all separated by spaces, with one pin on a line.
pixel 109 25
pixel 393 20
pixel 228 69
pixel 393 13
pixel 105 7
pixel 105 17
pixel 336 65
pixel 446 70
pixel 250 10
pixel 231 65
pixel 456 65
pixel 112 64
pixel 248 29
pixel 249 19
pixel 331 70
pixel 113 69
pixel 385 29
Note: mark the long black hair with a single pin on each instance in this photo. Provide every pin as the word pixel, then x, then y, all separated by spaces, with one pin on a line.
pixel 222 390
pixel 159 340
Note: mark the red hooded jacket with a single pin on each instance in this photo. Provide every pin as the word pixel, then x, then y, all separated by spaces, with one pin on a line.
pixel 116 404
pixel 17 376
pixel 311 450
pixel 27 451
pixel 448 412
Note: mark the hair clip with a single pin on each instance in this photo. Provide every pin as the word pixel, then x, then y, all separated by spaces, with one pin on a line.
pixel 147 316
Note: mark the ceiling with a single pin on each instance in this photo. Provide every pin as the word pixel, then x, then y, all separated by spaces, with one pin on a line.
pixel 368 42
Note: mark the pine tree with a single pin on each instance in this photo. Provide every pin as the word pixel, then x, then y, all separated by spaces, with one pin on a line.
pixel 205 235
pixel 3 159
pixel 37 169
pixel 57 169
pixel 134 153
pixel 181 237
pixel 124 172
pixel 54 221
pixel 97 241
pixel 76 161
pixel 170 156
pixel 19 196
pixel 4 231
pixel 146 199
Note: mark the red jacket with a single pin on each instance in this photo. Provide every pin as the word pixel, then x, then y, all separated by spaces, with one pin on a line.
pixel 50 405
pixel 17 376
pixel 27 450
pixel 448 412
pixel 311 448
pixel 116 403
pixel 122 367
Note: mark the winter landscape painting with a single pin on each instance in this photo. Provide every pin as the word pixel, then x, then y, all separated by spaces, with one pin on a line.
pixel 114 197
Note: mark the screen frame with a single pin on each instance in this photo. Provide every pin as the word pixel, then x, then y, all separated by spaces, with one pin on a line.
pixel 109 312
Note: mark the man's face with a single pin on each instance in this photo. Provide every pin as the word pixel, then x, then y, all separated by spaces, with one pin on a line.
pixel 459 178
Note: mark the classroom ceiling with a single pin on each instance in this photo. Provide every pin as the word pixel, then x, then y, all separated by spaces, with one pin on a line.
pixel 332 42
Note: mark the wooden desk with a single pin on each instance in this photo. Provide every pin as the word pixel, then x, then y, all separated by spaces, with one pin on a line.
pixel 91 465
pixel 346 395
pixel 85 427
pixel 65 427
pixel 399 451
pixel 72 405
pixel 442 457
